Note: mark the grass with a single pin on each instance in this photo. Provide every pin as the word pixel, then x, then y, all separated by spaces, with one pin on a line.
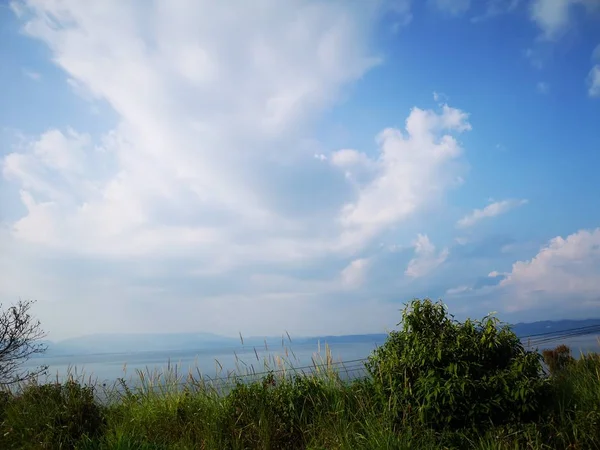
pixel 279 410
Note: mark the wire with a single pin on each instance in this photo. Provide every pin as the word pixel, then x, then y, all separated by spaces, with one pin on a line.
pixel 346 366
pixel 592 327
pixel 566 334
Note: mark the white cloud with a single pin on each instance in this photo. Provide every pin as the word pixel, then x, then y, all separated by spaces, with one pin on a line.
pixel 594 81
pixel 496 274
pixel 426 258
pixel 354 275
pixel 564 272
pixel 193 175
pixel 348 158
pixel 543 87
pixel 412 168
pixel 553 17
pixel 491 210
pixel 459 290
pixel 192 125
pixel 451 7
pixel 593 78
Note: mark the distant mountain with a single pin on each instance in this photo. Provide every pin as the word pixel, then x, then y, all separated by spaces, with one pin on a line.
pixel 131 343
pixel 552 326
pixel 150 342
pixel 276 342
pixel 156 342
pixel 346 339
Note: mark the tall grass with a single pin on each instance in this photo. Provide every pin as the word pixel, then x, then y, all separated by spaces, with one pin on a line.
pixel 281 409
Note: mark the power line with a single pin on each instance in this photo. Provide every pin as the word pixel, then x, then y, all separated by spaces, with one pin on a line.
pixel 588 327
pixel 565 334
pixel 340 367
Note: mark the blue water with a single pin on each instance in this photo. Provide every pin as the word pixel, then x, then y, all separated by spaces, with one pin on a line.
pixel 220 363
pixel 578 345
pixel 212 363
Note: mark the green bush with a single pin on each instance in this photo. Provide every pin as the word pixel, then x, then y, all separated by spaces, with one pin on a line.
pixel 447 374
pixel 577 401
pixel 51 416
pixel 277 412
pixel 161 417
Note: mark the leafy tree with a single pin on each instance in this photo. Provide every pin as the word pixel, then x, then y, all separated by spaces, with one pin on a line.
pixel 20 336
pixel 444 373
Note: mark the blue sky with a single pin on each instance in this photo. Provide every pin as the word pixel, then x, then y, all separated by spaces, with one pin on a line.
pixel 227 167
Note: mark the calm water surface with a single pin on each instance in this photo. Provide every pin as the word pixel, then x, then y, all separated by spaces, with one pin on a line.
pixel 109 367
pixel 211 363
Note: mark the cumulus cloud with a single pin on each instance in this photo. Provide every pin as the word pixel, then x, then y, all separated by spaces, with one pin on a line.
pixel 206 171
pixel 554 17
pixel 195 132
pixel 496 274
pixel 413 166
pixel 354 274
pixel 492 210
pixel 426 258
pixel 564 272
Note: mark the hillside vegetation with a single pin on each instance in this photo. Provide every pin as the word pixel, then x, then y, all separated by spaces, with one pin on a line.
pixel 435 383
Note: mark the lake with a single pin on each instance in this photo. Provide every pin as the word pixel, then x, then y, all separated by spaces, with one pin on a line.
pixel 212 363
pixel 218 363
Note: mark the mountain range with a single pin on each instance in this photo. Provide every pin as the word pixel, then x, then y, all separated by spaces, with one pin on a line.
pixel 157 342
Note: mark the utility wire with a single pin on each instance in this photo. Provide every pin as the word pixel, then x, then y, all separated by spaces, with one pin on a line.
pixel 346 366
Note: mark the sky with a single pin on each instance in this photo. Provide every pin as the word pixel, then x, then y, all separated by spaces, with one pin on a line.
pixel 303 166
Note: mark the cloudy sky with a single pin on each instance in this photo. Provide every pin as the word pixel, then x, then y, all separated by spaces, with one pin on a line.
pixel 309 166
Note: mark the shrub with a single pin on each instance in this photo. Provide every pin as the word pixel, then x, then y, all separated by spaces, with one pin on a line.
pixel 52 416
pixel 277 412
pixel 558 359
pixel 443 373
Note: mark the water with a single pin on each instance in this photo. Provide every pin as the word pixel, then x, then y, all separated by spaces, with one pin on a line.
pixel 106 368
pixel 578 345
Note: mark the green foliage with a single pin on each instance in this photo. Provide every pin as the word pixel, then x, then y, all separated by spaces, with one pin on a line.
pixel 577 401
pixel 436 383
pixel 159 417
pixel 277 411
pixel 444 373
pixel 51 416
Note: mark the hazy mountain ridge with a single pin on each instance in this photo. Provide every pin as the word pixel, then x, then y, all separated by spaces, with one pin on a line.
pixel 132 343
pixel 552 326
